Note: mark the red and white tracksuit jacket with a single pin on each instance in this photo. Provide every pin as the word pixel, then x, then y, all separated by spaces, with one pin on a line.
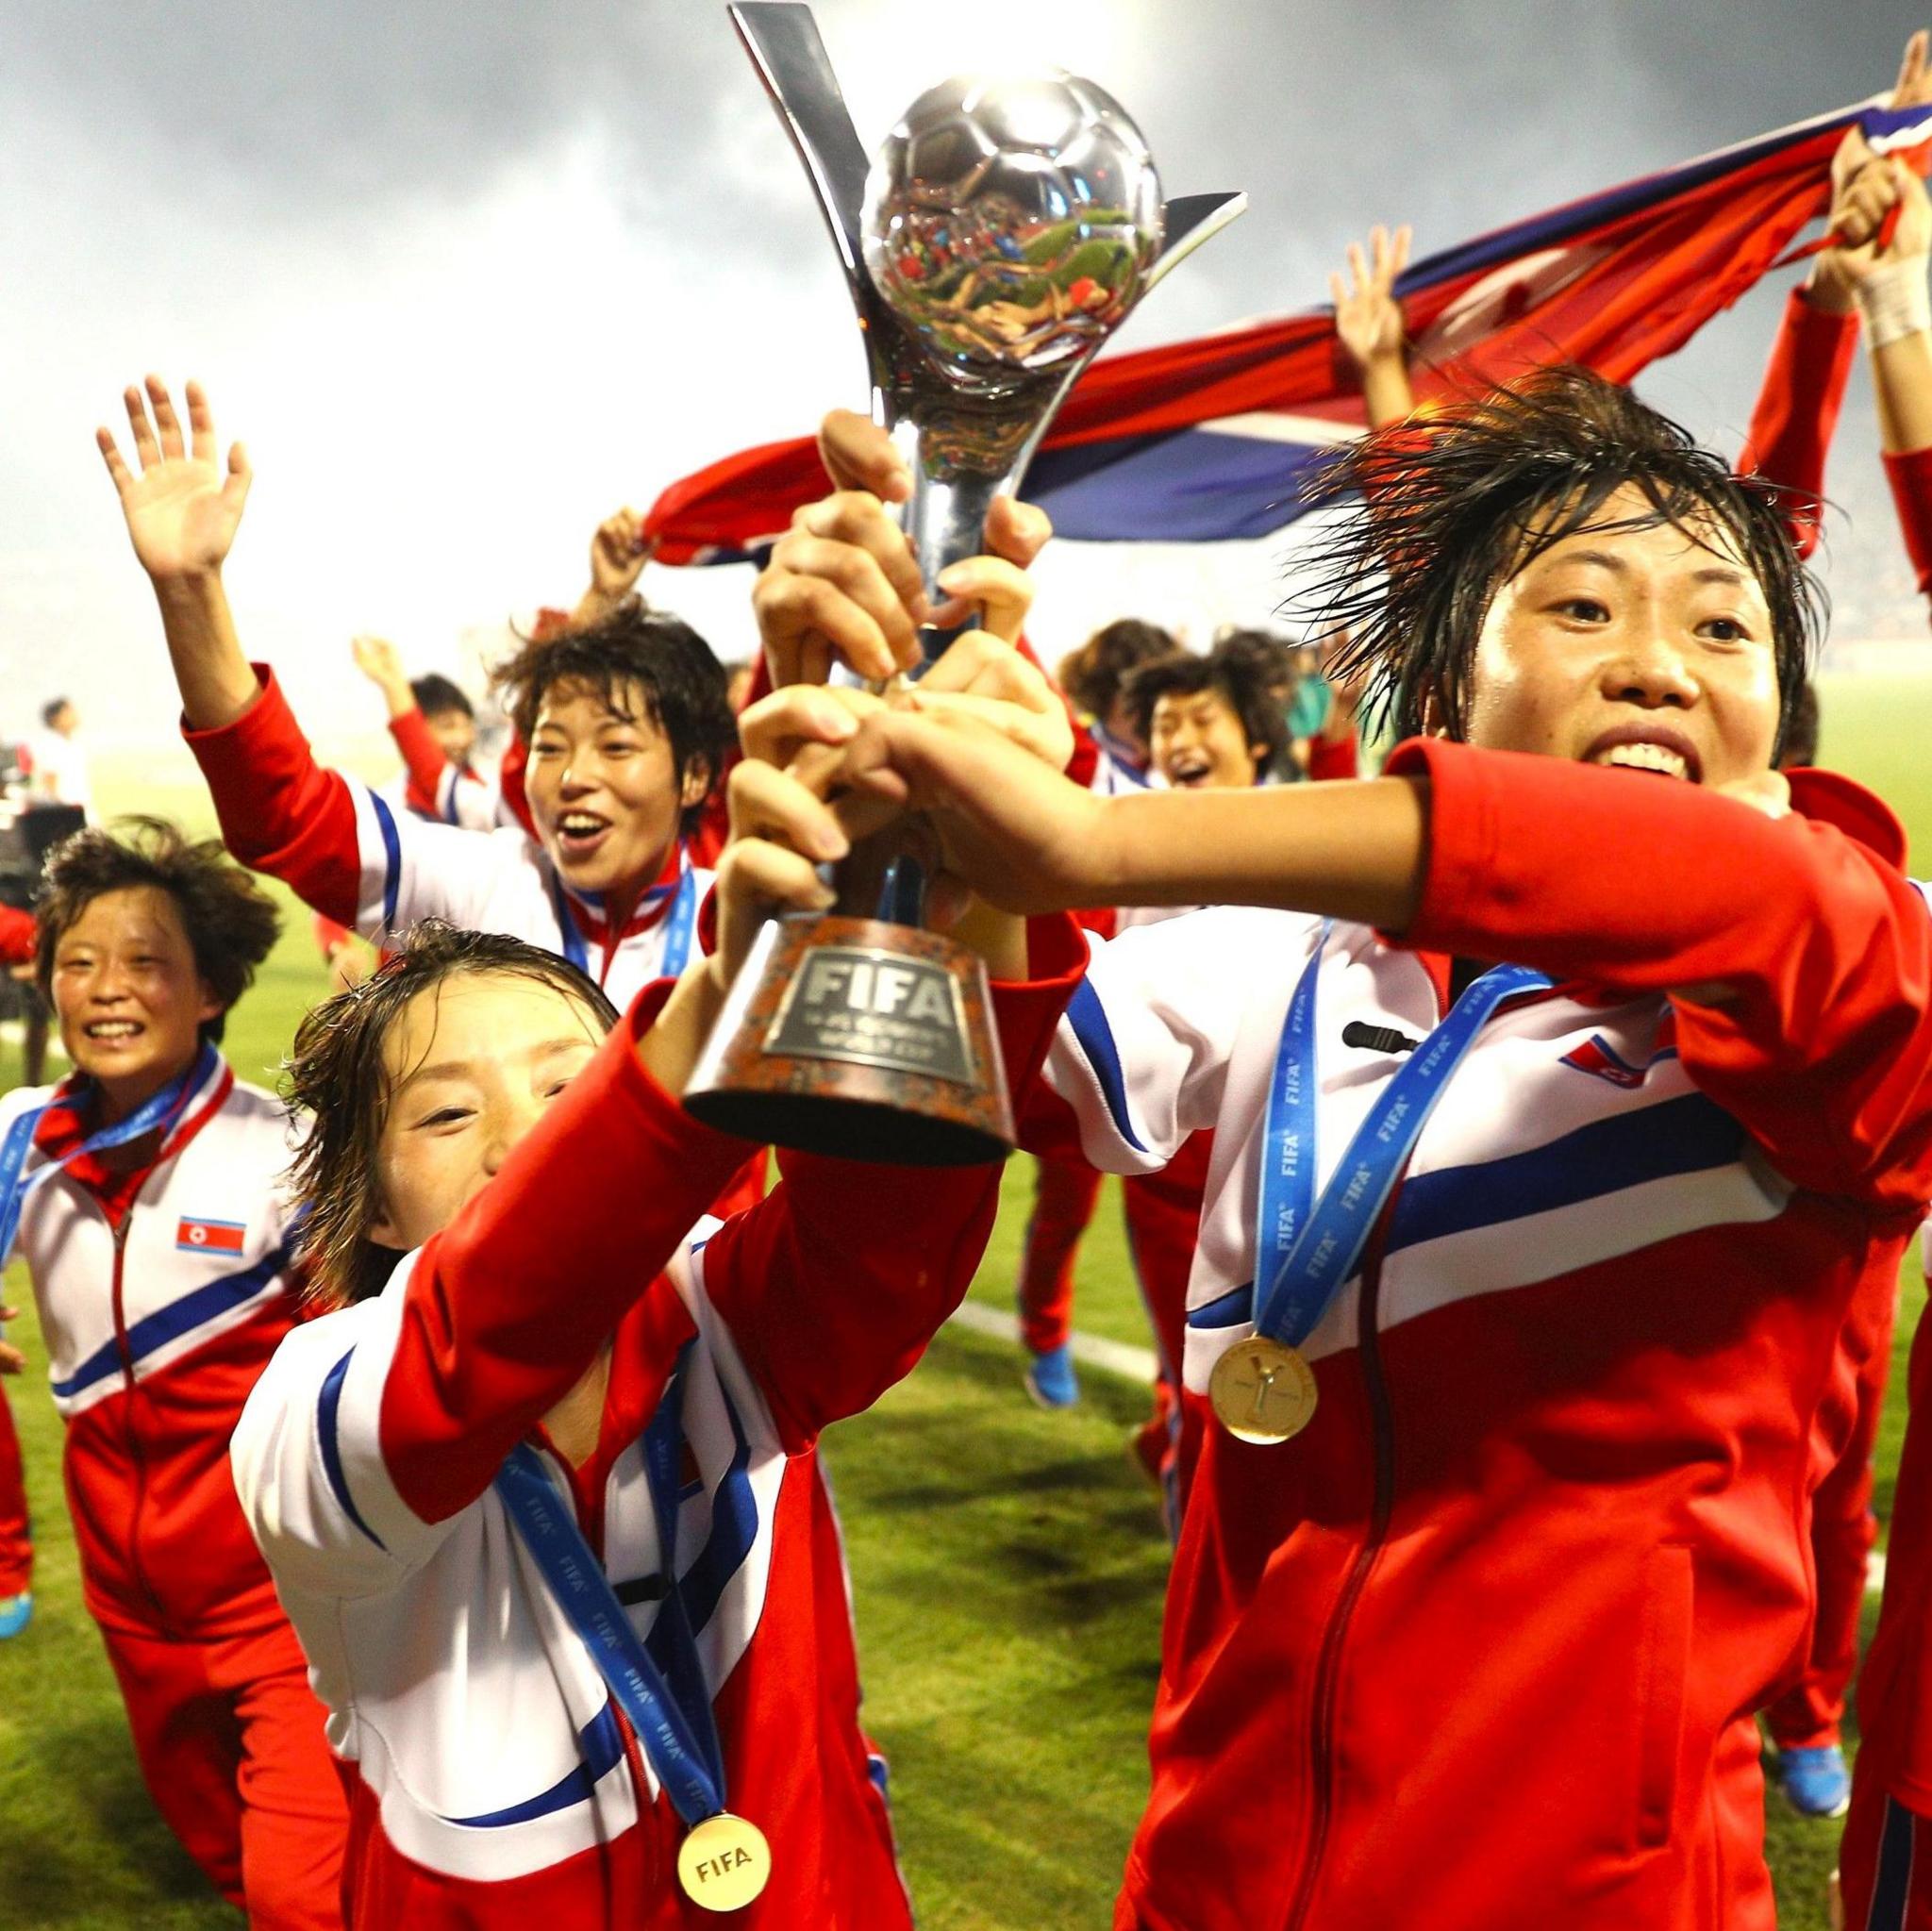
pixel 495 1782
pixel 475 798
pixel 162 1293
pixel 156 1331
pixel 347 852
pixel 1544 1546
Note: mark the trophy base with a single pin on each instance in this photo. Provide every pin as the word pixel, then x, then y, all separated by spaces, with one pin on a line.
pixel 860 1040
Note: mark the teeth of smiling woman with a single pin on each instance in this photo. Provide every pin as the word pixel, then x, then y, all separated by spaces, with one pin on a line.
pixel 112 1029
pixel 1646 757
pixel 581 826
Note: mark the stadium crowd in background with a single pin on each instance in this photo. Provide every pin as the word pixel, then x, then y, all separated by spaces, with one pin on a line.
pixel 1520 1145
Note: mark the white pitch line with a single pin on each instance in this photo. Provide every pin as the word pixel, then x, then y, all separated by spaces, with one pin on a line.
pixel 1090 1350
pixel 1138 1364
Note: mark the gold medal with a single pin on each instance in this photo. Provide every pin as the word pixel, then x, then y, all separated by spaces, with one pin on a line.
pixel 724 1863
pixel 1262 1391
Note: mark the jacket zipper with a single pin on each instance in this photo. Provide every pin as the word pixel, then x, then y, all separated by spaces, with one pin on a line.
pixel 1382 1436
pixel 135 1457
pixel 1328 1663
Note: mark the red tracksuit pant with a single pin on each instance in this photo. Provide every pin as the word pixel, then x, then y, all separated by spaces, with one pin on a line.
pixel 1842 1531
pixel 1163 1217
pixel 16 1542
pixel 1065 1192
pixel 229 1736
pixel 1885 1863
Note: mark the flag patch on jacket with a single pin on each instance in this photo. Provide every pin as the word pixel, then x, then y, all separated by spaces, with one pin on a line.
pixel 1597 1056
pixel 196 1236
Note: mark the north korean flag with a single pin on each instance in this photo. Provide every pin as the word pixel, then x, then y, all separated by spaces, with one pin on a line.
pixel 1208 440
pixel 196 1236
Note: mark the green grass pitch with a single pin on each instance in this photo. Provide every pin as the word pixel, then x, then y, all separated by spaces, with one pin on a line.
pixel 1008 1567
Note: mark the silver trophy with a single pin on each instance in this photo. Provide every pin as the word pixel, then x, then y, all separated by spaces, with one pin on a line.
pixel 1006 229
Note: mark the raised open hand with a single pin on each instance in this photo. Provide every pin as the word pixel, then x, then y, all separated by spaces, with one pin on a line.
pixel 1367 317
pixel 377 658
pixel 182 509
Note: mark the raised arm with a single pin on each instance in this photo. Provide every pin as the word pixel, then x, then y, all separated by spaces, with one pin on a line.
pixel 439 788
pixel 619 552
pixel 1369 323
pixel 182 510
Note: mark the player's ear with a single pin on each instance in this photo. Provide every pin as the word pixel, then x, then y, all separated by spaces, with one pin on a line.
pixel 382 1230
pixel 697 781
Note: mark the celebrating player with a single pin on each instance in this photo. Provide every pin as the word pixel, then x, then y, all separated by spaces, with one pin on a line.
pixel 535 1355
pixel 625 725
pixel 1502 1513
pixel 434 725
pixel 146 1192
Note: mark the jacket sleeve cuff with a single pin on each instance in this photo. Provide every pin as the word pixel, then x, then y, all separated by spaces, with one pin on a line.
pixel 1460 870
pixel 1910 476
pixel 228 748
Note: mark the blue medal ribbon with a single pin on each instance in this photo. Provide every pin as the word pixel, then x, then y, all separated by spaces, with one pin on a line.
pixel 19 1142
pixel 1305 1247
pixel 681 926
pixel 672 1715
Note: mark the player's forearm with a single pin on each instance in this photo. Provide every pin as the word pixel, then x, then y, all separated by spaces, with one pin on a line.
pixel 1346 850
pixel 669 1051
pixel 1387 391
pixel 509 1305
pixel 215 678
pixel 1902 376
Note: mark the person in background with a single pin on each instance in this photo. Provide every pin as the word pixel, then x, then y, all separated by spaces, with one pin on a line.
pixel 1110 757
pixel 434 725
pixel 1886 1855
pixel 1094 677
pixel 59 774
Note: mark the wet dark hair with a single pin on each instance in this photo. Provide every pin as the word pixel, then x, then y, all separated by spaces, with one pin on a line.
pixel 1093 675
pixel 435 693
pixel 230 921
pixel 1236 672
pixel 1438 511
pixel 335 1078
pixel 1800 745
pixel 682 684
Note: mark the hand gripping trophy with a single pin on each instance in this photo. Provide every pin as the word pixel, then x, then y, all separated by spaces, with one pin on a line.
pixel 1006 229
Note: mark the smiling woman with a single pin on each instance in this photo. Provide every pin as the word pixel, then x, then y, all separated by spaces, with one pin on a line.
pixel 147 1193
pixel 145 941
pixel 1563 519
